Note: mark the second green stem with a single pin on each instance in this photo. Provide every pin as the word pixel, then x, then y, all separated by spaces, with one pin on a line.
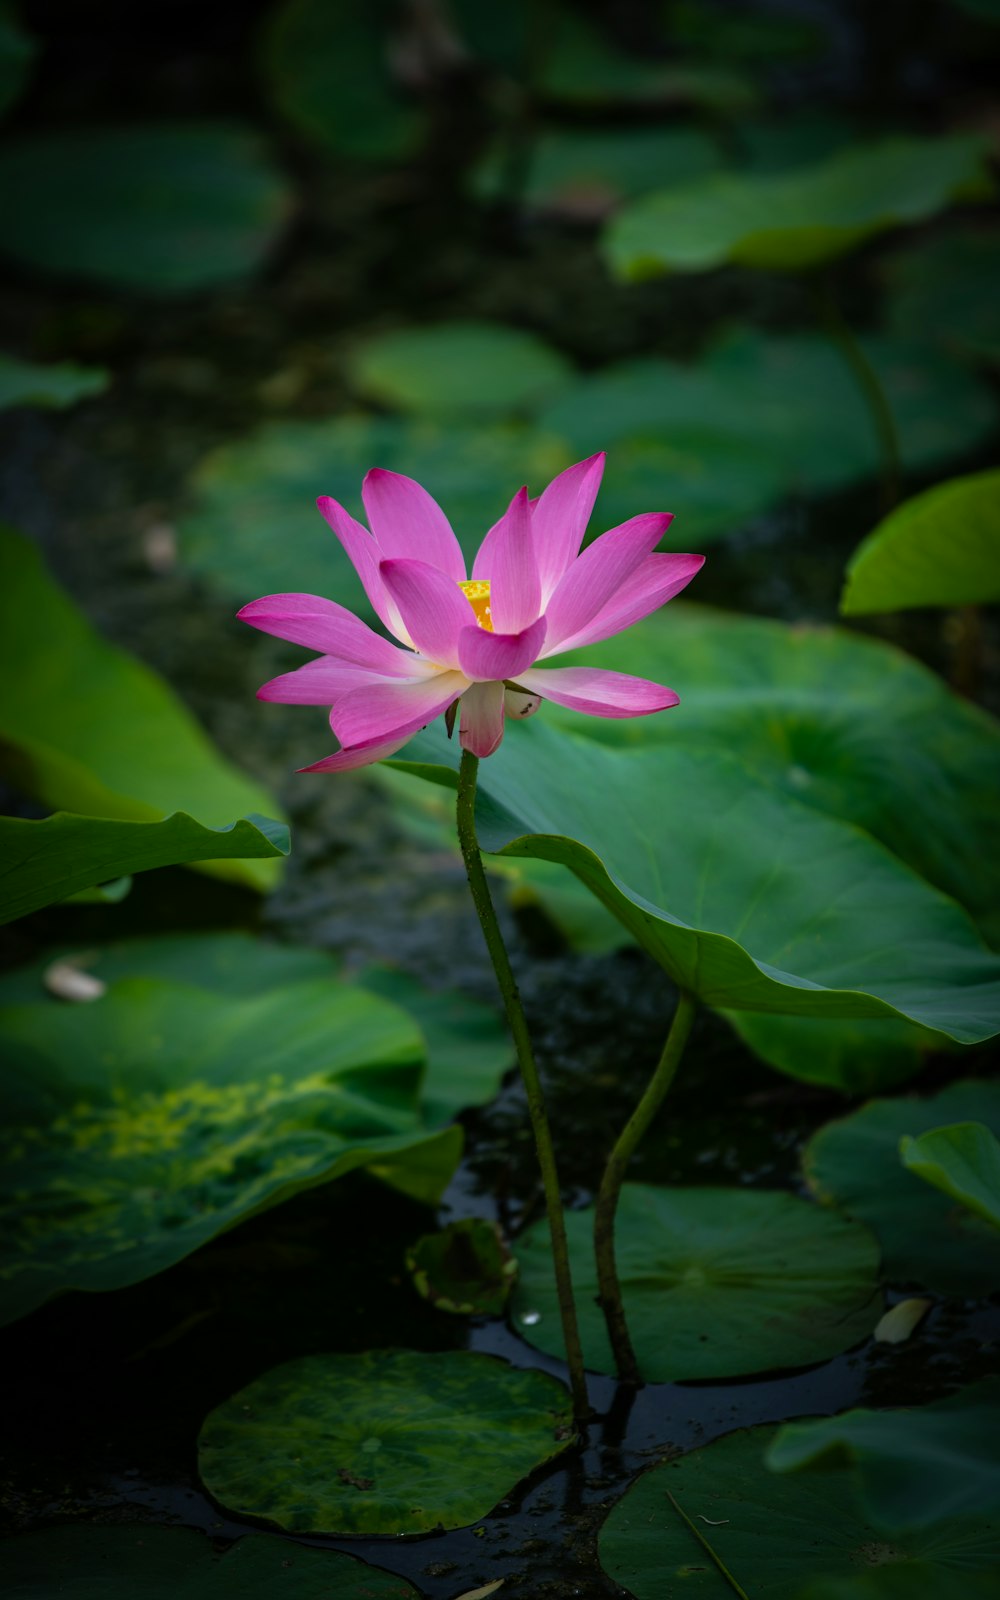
pixel 610 1294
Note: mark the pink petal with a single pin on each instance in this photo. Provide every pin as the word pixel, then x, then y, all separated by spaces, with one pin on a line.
pixel 365 555
pixel 323 625
pixel 599 572
pixel 319 682
pixel 433 608
pixel 560 519
pixel 489 657
pixel 383 711
pixel 408 523
pixel 507 559
pixel 601 694
pixel 481 728
pixel 345 760
pixel 655 581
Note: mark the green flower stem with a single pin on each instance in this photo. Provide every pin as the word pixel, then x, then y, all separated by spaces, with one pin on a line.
pixel 610 1293
pixel 483 902
pixel 870 384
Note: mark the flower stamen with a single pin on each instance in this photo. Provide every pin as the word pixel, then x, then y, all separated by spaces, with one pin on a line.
pixel 477 592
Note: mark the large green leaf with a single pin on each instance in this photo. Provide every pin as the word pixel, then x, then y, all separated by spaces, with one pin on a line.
pixel 587 172
pixel 758 417
pixel 258 496
pixel 788 221
pixel 926 1238
pixel 389 1441
pixel 774 1534
pixel 963 1161
pixel 467 1044
pixel 143 1124
pixel 327 70
pixel 716 1283
pixel 86 727
pixel 944 288
pixel 912 1468
pixel 47 861
pixel 458 369
pixel 747 897
pixel 83 1562
pixel 166 208
pixel 26 383
pixel 942 548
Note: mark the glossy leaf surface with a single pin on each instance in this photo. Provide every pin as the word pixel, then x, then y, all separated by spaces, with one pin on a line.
pixel 963 1161
pixel 389 1441
pixel 926 1237
pixel 716 1283
pixel 86 727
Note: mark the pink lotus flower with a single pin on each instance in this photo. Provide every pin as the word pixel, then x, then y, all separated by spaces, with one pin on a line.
pixel 532 595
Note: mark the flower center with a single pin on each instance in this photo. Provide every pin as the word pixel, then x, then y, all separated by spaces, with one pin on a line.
pixel 477 592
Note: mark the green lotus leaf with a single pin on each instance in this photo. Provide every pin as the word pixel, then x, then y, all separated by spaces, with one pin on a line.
pixel 759 417
pixel 145 1123
pixel 716 1283
pixel 777 1534
pixel 58 857
pixel 163 208
pixel 756 902
pixel 327 71
pixel 963 1161
pixel 259 495
pixel 942 548
pixel 26 383
pixel 85 727
pixel 788 221
pixel 458 369
pixel 465 1268
pixel 911 1468
pixel 388 1441
pixel 944 288
pixel 117 1563
pixel 926 1238
pixel 587 172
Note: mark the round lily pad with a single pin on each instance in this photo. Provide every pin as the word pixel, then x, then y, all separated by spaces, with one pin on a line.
pixel 716 1283
pixel 471 369
pixel 465 1267
pixel 117 1563
pixel 162 207
pixel 389 1441
pixel 927 1237
pixel 774 1534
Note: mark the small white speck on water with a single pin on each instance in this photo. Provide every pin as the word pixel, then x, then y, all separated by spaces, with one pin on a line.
pixel 529 1318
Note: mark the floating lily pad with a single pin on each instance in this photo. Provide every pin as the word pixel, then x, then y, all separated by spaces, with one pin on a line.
pixel 768 906
pixel 757 418
pixel 142 1125
pixel 470 369
pixel 80 1562
pixel 465 1268
pixel 942 548
pixel 926 1237
pixel 167 208
pixel 963 1161
pixel 259 495
pixel 389 1441
pixel 51 860
pixel 773 1533
pixel 716 1283
pixel 26 383
pixel 327 70
pixel 944 288
pixel 586 172
pixel 87 728
pixel 912 1468
pixel 788 221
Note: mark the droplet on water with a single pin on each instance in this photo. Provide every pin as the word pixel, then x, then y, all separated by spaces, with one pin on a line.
pixel 529 1318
